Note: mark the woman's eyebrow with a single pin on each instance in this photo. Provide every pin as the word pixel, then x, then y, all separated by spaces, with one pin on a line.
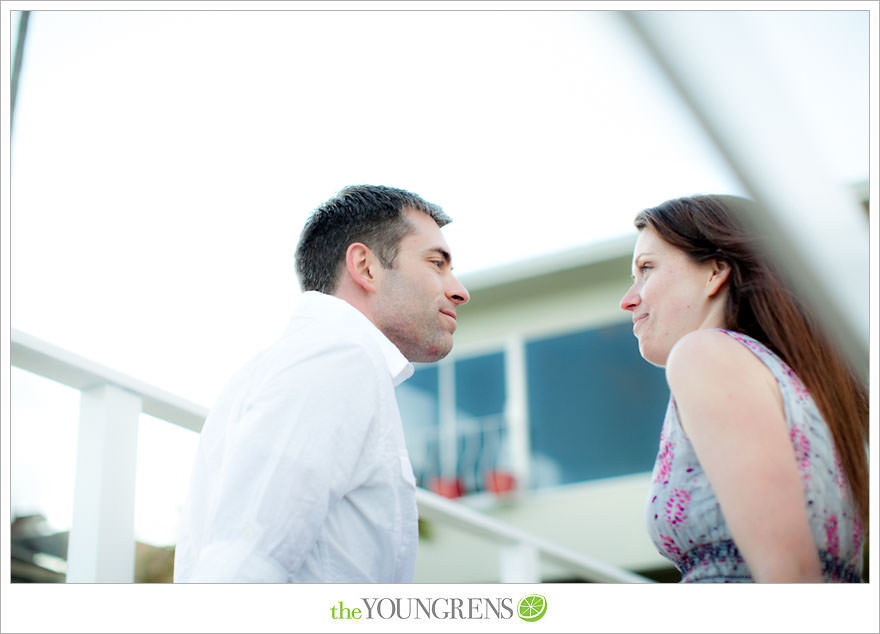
pixel 635 263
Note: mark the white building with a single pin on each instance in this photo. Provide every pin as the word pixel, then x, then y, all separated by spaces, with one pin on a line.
pixel 546 390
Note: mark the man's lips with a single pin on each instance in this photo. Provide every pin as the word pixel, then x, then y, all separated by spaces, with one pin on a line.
pixel 639 319
pixel 449 313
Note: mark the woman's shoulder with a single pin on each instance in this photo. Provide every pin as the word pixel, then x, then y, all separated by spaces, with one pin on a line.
pixel 706 346
pixel 716 380
pixel 713 354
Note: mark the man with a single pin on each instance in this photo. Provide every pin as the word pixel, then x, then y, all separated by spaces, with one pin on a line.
pixel 302 473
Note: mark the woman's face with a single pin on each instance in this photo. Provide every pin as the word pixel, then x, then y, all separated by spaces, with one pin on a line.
pixel 671 295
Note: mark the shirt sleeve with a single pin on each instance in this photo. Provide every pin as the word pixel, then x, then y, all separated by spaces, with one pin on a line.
pixel 290 455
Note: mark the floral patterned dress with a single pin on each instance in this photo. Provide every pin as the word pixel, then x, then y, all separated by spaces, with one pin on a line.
pixel 685 520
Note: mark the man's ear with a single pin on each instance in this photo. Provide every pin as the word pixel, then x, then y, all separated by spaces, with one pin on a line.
pixel 360 265
pixel 718 276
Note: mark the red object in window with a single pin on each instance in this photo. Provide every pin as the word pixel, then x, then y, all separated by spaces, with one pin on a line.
pixel 447 487
pixel 500 482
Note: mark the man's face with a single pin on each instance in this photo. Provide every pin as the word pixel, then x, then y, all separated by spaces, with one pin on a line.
pixel 416 302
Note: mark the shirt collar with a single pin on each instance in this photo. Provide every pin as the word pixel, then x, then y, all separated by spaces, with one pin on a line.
pixel 399 367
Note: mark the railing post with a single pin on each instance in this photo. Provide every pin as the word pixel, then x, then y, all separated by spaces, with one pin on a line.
pixel 101 547
pixel 516 411
pixel 520 564
pixel 448 441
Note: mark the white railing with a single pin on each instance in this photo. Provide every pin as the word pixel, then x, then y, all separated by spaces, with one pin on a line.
pixel 521 552
pixel 480 446
pixel 101 546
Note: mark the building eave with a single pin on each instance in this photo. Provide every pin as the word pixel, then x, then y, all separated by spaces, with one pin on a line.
pixel 595 263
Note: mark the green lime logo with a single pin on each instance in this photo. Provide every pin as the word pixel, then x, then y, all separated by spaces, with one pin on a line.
pixel 532 607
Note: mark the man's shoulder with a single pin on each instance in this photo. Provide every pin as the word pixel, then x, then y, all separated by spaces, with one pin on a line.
pixel 307 336
pixel 308 349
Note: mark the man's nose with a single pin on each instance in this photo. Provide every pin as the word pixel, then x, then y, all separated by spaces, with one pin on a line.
pixel 458 293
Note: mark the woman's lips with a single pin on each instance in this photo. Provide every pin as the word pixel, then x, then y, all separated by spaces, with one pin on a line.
pixel 638 320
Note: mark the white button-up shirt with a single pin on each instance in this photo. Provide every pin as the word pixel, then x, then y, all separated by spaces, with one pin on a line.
pixel 302 474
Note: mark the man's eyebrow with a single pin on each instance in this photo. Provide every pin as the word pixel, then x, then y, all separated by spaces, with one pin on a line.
pixel 443 253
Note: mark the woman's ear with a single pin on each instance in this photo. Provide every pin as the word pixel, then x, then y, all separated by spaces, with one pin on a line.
pixel 718 276
pixel 360 266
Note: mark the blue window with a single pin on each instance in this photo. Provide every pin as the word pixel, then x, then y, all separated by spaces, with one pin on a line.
pixel 595 406
pixel 481 432
pixel 478 441
pixel 419 409
pixel 480 385
pixel 424 384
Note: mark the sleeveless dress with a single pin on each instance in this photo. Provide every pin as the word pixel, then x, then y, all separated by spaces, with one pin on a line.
pixel 684 517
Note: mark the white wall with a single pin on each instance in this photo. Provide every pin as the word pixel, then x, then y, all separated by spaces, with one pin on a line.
pixel 538 315
pixel 603 519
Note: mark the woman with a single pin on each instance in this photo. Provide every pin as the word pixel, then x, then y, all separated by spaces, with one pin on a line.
pixel 762 469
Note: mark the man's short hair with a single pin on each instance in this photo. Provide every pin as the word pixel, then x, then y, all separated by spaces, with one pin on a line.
pixel 371 214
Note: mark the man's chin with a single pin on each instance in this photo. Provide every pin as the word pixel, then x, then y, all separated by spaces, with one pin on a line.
pixel 432 354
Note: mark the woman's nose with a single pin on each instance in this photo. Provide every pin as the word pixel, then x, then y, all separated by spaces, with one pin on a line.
pixel 631 299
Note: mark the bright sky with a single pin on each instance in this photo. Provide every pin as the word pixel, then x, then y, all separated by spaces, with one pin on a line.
pixel 164 162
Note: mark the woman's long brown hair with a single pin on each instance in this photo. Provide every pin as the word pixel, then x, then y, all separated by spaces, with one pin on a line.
pixel 761 306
